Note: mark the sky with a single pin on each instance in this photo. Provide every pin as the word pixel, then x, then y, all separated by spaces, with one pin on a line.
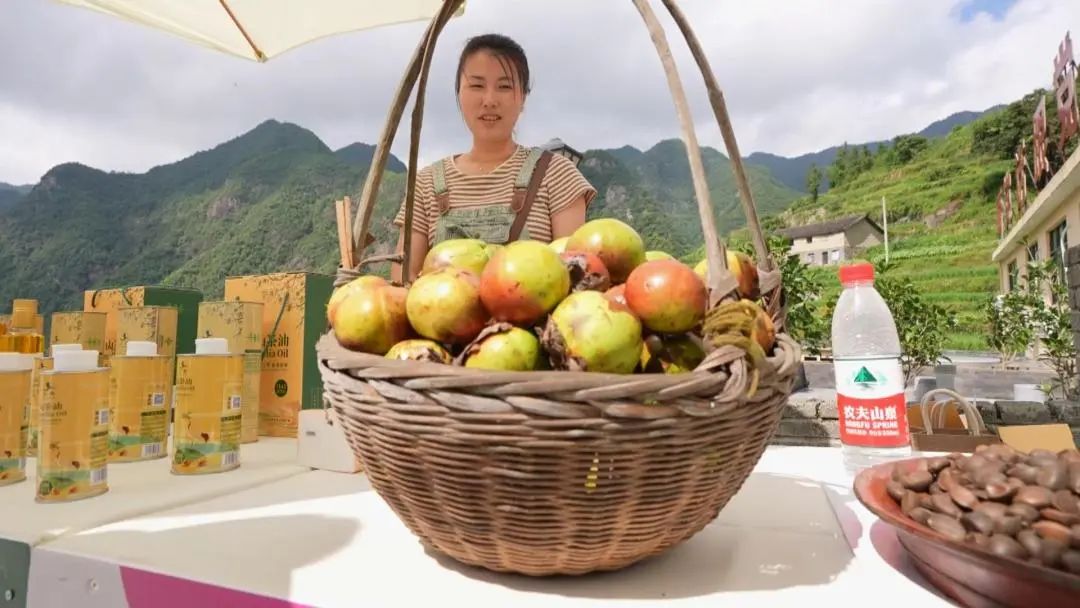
pixel 798 76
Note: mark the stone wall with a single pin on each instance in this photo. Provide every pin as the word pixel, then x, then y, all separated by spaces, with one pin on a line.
pixel 811 419
pixel 1074 295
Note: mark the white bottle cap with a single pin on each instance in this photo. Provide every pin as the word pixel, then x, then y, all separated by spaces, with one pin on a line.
pixel 75 360
pixel 211 346
pixel 14 362
pixel 59 347
pixel 141 349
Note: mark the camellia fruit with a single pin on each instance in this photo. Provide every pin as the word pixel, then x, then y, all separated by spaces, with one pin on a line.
pixel 523 282
pixel 671 354
pixel 667 296
pixel 616 244
pixel 504 347
pixel 419 350
pixel 353 285
pixel 559 245
pixel 445 306
pixel 589 332
pixel 657 255
pixel 742 267
pixel 617 294
pixel 466 254
pixel 372 319
pixel 586 271
pixel 764 331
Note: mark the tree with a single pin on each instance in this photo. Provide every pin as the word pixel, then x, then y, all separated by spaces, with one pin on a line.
pixel 805 321
pixel 1037 314
pixel 866 159
pixel 908 147
pixel 839 170
pixel 922 325
pixel 813 181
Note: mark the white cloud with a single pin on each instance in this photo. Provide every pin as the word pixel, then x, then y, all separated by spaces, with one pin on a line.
pixel 798 76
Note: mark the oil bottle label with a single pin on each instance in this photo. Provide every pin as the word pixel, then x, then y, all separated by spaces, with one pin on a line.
pixel 871 404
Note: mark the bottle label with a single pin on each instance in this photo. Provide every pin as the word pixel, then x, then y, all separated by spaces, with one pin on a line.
pixel 871 404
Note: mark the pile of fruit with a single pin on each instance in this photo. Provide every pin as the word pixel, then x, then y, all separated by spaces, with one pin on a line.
pixel 594 301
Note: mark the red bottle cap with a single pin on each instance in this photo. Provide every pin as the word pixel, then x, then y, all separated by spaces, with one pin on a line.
pixel 856 273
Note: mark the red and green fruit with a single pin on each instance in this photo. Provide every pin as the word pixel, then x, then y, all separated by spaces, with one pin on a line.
pixel 764 331
pixel 743 268
pixel 587 272
pixel 445 306
pixel 667 296
pixel 617 294
pixel 372 319
pixel 466 254
pixel 617 245
pixel 523 282
pixel 559 245
pixel 590 332
pixel 505 348
pixel 353 285
pixel 419 350
pixel 671 354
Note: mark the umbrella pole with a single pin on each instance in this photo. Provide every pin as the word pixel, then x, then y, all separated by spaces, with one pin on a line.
pixel 366 206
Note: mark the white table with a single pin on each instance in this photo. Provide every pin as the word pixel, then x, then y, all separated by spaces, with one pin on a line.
pixel 135 489
pixel 793 534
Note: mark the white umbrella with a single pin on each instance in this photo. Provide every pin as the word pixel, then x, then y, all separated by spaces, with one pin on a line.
pixel 262 29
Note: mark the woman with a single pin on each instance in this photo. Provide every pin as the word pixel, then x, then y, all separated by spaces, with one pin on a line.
pixel 499 190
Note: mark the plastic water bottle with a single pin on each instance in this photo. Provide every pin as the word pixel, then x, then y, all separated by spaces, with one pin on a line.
pixel 870 396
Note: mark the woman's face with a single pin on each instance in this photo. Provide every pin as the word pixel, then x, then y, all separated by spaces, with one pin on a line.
pixel 491 96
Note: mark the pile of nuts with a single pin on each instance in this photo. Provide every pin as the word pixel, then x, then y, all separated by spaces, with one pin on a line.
pixel 1023 506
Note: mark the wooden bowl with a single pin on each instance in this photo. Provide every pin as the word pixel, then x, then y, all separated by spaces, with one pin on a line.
pixel 968 574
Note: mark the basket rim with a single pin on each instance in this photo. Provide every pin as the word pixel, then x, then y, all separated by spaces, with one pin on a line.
pixel 330 351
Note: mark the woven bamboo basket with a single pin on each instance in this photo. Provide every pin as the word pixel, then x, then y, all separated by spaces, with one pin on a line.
pixel 562 472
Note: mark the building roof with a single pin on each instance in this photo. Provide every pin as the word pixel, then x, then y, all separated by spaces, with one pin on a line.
pixel 830 227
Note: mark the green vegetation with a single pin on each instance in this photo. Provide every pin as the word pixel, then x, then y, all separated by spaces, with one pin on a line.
pixel 263 202
pixel 653 191
pixel 940 195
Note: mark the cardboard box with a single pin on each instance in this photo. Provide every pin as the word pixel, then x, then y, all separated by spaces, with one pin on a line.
pixel 294 317
pixel 78 327
pixel 241 324
pixel 109 301
pixel 157 324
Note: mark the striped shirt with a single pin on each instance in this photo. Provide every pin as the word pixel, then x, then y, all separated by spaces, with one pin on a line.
pixel 561 186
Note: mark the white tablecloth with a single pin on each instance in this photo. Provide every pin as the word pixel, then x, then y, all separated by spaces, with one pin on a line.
pixel 794 534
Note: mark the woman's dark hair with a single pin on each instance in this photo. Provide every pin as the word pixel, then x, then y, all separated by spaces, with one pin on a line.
pixel 505 50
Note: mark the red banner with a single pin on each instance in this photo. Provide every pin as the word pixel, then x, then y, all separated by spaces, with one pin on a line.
pixel 1065 91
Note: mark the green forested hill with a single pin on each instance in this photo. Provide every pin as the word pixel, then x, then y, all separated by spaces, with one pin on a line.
pixel 258 203
pixel 941 200
pixel 263 202
pixel 653 191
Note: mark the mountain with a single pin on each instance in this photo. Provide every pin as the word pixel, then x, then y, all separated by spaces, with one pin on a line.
pixel 652 190
pixel 260 202
pixel 792 171
pixel 360 155
pixel 263 201
pixel 940 195
pixel 10 194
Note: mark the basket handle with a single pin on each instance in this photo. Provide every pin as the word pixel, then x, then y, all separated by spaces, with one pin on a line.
pixel 366 205
pixel 719 106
